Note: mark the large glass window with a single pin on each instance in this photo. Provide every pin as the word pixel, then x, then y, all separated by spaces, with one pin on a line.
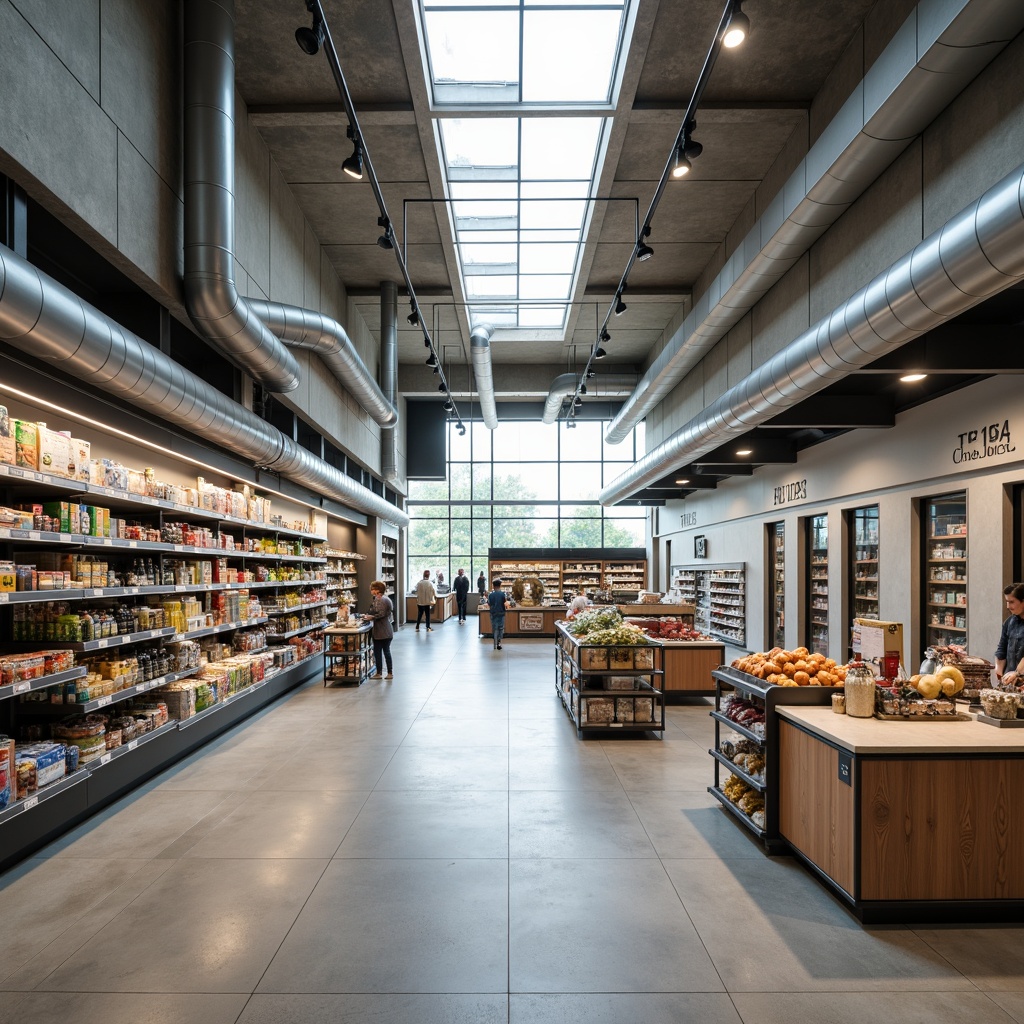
pixel 527 484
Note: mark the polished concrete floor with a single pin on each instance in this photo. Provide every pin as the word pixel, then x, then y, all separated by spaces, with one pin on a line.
pixel 442 849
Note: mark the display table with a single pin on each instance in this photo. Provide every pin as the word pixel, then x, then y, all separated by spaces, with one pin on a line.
pixel 444 609
pixel 906 820
pixel 348 653
pixel 523 622
pixel 688 667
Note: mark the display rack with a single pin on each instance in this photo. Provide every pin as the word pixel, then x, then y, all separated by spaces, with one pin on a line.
pixel 568 573
pixel 624 576
pixel 348 654
pixel 777 583
pixel 101 587
pixel 389 564
pixel 817 585
pixel 342 586
pixel 763 737
pixel 608 690
pixel 863 570
pixel 718 595
pixel 945 561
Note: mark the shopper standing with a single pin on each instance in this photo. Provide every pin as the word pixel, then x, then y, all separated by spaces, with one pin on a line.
pixel 461 586
pixel 426 595
pixel 497 601
pixel 1010 649
pixel 481 584
pixel 380 614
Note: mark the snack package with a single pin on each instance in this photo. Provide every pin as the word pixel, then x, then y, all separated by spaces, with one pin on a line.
pixel 6 437
pixel 26 444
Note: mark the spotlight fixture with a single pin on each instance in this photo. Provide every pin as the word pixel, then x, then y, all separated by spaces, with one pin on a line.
pixel 643 252
pixel 449 405
pixel 620 306
pixel 353 166
pixel 605 336
pixel 911 378
pixel 426 343
pixel 570 424
pixel 385 240
pixel 577 402
pixel 583 389
pixel 591 373
pixel 414 317
pixel 692 148
pixel 682 166
pixel 462 430
pixel 431 360
pixel 599 353
pixel 737 30
pixel 310 39
pixel 442 387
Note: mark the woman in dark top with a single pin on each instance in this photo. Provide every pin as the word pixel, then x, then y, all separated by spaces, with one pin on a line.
pixel 381 611
pixel 1010 649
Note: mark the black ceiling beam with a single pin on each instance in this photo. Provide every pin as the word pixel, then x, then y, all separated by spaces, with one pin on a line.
pixel 725 469
pixel 764 449
pixel 957 348
pixel 837 412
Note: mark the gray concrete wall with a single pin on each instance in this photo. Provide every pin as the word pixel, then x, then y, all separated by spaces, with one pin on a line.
pixel 91 128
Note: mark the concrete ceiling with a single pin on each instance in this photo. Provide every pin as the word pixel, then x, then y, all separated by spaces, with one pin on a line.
pixel 758 96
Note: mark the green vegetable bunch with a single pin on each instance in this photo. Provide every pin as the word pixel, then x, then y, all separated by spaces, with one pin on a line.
pixel 597 618
pixel 617 636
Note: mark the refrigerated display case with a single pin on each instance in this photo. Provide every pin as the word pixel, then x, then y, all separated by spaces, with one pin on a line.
pixel 817 584
pixel 862 562
pixel 777 584
pixel 944 587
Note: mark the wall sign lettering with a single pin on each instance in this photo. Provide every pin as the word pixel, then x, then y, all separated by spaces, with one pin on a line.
pixel 984 443
pixel 795 491
pixel 688 519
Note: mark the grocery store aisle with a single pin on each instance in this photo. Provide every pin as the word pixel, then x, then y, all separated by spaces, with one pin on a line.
pixel 441 849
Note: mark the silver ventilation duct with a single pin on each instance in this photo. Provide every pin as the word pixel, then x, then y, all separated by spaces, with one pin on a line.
pixel 220 314
pixel 607 385
pixel 389 378
pixel 47 321
pixel 930 62
pixel 480 353
pixel 305 328
pixel 977 254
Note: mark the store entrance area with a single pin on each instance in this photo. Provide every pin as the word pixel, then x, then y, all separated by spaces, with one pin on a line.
pixel 440 848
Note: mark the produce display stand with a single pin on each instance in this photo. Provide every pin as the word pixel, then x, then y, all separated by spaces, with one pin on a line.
pixel 731 680
pixel 523 622
pixel 348 654
pixel 607 689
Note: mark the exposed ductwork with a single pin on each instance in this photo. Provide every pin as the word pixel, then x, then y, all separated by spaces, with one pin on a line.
pixel 305 328
pixel 389 378
pixel 219 312
pixel 977 254
pixel 47 321
pixel 480 353
pixel 930 61
pixel 607 385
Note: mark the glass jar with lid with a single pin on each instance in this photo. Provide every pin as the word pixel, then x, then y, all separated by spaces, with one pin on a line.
pixel 860 690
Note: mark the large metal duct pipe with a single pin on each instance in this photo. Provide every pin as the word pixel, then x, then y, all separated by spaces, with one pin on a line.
pixel 977 254
pixel 609 385
pixel 305 328
pixel 389 377
pixel 220 314
pixel 940 49
pixel 47 321
pixel 480 353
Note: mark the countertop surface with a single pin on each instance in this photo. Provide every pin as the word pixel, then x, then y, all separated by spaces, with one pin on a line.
pixel 874 736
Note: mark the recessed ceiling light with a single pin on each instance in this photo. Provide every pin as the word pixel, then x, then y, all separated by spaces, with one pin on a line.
pixel 745 451
pixel 682 481
pixel 910 378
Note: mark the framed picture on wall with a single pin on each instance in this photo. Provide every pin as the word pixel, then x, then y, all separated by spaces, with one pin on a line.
pixel 700 547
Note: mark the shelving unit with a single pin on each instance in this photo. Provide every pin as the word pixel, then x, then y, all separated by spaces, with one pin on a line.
pixel 719 598
pixel 567 573
pixel 342 585
pixel 777 584
pixel 348 654
pixel 945 566
pixel 817 584
pixel 102 588
pixel 389 564
pixel 863 570
pixel 609 690
pixel 764 739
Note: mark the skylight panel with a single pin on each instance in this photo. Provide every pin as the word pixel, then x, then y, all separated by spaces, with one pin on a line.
pixel 569 56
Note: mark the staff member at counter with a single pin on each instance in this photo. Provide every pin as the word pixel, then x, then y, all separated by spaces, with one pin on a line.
pixel 1010 649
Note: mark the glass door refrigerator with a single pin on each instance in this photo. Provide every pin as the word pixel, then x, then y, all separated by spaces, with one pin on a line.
pixel 817 584
pixel 945 562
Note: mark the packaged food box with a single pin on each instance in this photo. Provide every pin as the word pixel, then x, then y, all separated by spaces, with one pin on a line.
pixel 26 444
pixel 624 709
pixel 61 512
pixel 595 658
pixel 600 710
pixel 8 577
pixel 80 454
pixel 6 437
pixel 48 759
pixel 620 657
pixel 54 452
pixel 15 518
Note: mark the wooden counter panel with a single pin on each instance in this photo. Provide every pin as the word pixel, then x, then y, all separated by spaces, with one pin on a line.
pixel 941 830
pixel 816 810
pixel 688 669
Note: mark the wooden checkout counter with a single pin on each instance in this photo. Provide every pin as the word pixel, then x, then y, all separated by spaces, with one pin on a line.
pixel 906 820
pixel 444 608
